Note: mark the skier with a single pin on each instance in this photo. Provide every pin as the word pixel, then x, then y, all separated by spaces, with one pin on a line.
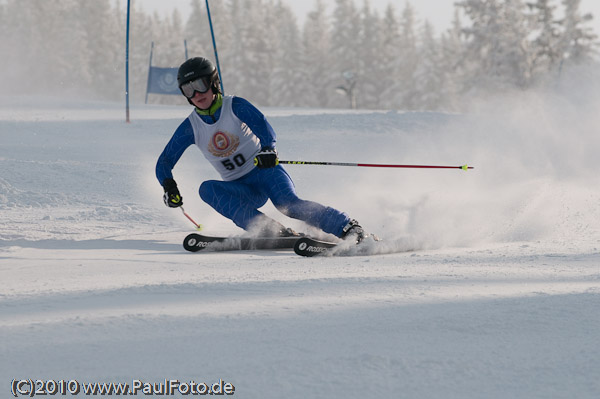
pixel 239 142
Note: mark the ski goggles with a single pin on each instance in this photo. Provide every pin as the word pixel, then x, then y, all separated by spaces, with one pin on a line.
pixel 200 85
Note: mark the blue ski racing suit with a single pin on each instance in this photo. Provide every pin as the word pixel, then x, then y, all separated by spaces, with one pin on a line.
pixel 230 134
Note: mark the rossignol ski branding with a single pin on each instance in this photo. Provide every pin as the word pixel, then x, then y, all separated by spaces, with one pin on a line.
pixel 306 246
pixel 192 242
pixel 311 248
pixel 196 242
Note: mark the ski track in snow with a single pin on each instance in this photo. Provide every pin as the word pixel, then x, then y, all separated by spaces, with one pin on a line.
pixel 487 282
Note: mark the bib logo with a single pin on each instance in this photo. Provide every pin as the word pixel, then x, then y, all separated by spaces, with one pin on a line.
pixel 223 144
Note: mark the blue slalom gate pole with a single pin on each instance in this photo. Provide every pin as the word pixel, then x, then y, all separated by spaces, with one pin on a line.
pixel 212 33
pixel 149 72
pixel 127 65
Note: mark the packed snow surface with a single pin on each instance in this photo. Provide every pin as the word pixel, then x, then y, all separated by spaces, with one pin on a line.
pixel 487 284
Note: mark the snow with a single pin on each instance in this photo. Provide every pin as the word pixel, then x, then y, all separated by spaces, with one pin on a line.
pixel 498 296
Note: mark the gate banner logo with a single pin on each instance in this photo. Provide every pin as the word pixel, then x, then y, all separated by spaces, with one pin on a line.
pixel 163 81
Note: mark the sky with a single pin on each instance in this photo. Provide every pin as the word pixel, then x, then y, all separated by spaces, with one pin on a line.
pixel 438 12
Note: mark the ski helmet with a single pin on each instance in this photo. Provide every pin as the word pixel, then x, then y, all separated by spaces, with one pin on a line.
pixel 196 68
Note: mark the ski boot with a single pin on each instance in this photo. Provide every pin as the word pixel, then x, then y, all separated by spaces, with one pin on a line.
pixel 353 231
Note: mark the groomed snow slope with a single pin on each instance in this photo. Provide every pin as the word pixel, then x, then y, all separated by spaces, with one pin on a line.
pixel 499 297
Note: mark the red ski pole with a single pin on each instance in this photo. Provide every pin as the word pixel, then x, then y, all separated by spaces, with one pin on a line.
pixel 198 226
pixel 374 165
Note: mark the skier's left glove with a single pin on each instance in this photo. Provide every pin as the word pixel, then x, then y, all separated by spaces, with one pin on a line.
pixel 266 158
pixel 172 197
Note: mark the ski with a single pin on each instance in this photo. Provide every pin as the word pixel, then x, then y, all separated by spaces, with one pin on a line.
pixel 196 242
pixel 307 246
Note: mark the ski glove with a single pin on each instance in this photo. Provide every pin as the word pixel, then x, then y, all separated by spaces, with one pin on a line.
pixel 266 158
pixel 171 197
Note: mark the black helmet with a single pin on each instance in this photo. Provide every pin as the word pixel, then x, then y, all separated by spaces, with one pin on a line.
pixel 198 67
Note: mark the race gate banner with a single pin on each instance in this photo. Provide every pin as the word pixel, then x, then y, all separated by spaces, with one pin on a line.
pixel 163 81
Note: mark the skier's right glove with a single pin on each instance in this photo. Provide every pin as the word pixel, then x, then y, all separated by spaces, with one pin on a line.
pixel 172 197
pixel 266 158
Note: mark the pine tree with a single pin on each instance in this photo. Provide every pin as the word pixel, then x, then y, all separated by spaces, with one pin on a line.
pixel 579 43
pixel 453 71
pixel 101 38
pixel 429 77
pixel 286 78
pixel 370 68
pixel 197 31
pixel 168 40
pixel 516 47
pixel 344 50
pixel 545 46
pixel 316 61
pixel 497 51
pixel 254 49
pixel 17 35
pixel 141 33
pixel 75 65
pixel 233 69
pixel 390 59
pixel 407 95
pixel 265 57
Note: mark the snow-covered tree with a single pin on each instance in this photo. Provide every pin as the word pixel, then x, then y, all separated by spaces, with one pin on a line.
pixel 546 32
pixel 16 47
pixel 452 62
pixel 406 95
pixel 257 50
pixel 286 78
pixel 389 59
pixel 231 71
pixel 429 75
pixel 101 36
pixel 196 31
pixel 76 52
pixel 316 61
pixel 370 66
pixel 394 62
pixel 578 43
pixel 497 52
pixel 344 54
pixel 141 38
